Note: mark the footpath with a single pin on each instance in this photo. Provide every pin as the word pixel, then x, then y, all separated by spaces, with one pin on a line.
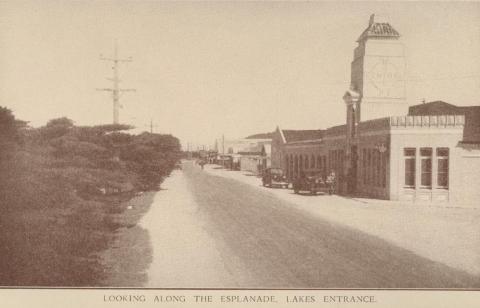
pixel 450 235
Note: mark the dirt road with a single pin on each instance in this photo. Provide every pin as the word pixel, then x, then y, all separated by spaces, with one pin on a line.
pixel 213 232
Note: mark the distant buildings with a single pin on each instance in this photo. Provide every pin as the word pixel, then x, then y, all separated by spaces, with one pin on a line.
pixel 247 154
pixel 428 152
pixel 257 158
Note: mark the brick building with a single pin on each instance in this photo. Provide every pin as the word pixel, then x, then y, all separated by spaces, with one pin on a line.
pixel 386 149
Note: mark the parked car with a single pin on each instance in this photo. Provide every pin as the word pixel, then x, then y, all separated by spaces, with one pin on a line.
pixel 274 177
pixel 312 183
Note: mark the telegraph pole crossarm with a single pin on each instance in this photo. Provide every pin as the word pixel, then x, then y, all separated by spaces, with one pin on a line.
pixel 116 91
pixel 127 90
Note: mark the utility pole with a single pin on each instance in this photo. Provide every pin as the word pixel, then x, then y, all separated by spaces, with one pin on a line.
pixel 115 79
pixel 152 126
pixel 223 144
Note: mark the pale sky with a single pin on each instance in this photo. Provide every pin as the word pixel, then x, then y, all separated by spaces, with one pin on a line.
pixel 206 69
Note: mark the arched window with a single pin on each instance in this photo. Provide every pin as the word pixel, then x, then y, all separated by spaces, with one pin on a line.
pixel 296 166
pixel 287 165
pixel 291 166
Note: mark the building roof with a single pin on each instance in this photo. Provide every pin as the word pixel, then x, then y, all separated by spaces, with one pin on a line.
pixel 378 29
pixel 261 136
pixel 439 108
pixel 302 135
pixel 471 132
pixel 337 130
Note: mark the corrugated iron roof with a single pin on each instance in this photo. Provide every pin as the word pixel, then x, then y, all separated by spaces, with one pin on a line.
pixel 262 136
pixel 337 130
pixel 435 108
pixel 302 135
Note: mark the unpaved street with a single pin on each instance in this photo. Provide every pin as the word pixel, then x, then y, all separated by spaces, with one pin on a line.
pixel 210 231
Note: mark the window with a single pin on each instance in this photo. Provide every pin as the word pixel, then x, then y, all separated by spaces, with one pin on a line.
pixel 341 161
pixel 426 159
pixel 287 165
pixel 337 161
pixel 409 154
pixel 364 166
pixel 384 169
pixel 292 164
pixel 306 162
pixel 377 168
pixel 442 163
pixel 380 169
pixel 319 162
pixel 312 161
pixel 296 166
pixel 369 166
pixel 330 160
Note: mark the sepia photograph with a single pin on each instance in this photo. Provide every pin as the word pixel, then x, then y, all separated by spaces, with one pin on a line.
pixel 240 146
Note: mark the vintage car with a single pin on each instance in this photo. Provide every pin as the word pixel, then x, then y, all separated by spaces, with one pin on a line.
pixel 312 183
pixel 274 177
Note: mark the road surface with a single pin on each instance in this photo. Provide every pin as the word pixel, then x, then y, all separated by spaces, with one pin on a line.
pixel 212 232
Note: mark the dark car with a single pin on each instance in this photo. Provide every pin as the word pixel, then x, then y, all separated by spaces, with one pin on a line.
pixel 274 177
pixel 312 183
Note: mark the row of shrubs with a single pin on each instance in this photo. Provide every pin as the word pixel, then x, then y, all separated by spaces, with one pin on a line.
pixel 59 185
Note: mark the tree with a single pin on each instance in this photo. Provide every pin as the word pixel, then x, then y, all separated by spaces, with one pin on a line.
pixel 9 135
pixel 56 128
pixel 60 122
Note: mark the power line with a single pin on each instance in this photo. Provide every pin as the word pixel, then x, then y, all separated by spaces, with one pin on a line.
pixel 115 79
pixel 412 79
pixel 442 78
